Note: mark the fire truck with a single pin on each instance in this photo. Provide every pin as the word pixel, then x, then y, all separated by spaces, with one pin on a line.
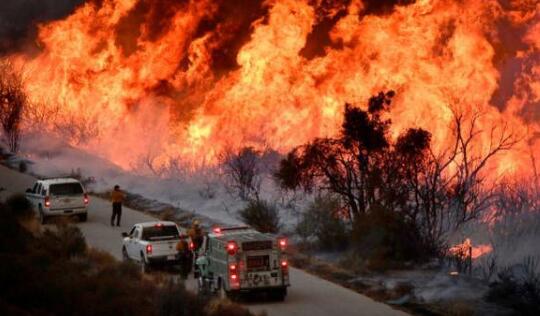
pixel 237 260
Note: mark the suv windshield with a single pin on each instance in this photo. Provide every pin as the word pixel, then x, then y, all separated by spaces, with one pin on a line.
pixel 160 232
pixel 66 189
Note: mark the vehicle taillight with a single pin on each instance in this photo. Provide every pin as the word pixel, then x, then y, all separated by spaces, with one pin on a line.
pixel 47 202
pixel 86 200
pixel 191 245
pixel 285 270
pixel 233 275
pixel 283 243
pixel 149 248
pixel 232 247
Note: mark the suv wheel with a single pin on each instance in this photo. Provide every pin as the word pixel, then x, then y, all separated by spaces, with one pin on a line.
pixel 145 267
pixel 42 217
pixel 125 256
pixel 83 217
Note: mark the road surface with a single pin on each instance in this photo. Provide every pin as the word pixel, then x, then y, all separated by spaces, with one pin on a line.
pixel 308 295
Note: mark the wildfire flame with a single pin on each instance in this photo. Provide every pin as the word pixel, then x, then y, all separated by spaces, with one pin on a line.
pixel 466 249
pixel 147 75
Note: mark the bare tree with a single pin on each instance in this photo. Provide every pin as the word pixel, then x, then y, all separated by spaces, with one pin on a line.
pixel 13 101
pixel 452 188
pixel 38 115
pixel 243 171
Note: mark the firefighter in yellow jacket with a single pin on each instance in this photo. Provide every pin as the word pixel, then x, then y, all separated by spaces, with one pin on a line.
pixel 196 235
pixel 117 198
pixel 185 257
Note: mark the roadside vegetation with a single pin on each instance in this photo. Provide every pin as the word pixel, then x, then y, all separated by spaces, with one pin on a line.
pixel 400 199
pixel 13 101
pixel 395 202
pixel 54 272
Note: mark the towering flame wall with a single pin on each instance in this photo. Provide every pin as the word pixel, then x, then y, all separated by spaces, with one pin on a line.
pixel 184 79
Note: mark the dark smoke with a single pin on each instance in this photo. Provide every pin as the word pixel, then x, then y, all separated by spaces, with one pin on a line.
pixel 381 7
pixel 507 43
pixel 19 18
pixel 155 15
pixel 231 27
pixel 329 12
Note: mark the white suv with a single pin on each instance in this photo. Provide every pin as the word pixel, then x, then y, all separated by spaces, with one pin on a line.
pixel 58 197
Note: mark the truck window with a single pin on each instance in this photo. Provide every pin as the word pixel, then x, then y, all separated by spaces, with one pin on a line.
pixel 43 191
pixel 160 232
pixel 66 189
pixel 34 189
pixel 38 190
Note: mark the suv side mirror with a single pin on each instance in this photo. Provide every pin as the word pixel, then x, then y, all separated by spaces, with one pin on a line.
pixel 125 235
pixel 28 190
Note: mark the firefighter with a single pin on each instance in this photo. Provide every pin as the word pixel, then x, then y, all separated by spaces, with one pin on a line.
pixel 185 256
pixel 117 197
pixel 196 235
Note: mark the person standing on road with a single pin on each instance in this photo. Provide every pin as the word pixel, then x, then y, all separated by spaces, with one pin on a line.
pixel 117 197
pixel 185 257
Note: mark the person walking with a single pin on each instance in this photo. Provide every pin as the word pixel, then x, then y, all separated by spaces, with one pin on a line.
pixel 117 197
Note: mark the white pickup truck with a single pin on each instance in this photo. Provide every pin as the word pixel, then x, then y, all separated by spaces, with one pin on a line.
pixel 59 197
pixel 152 244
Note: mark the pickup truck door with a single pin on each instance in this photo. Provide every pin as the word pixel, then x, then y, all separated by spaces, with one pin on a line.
pixel 131 245
pixel 34 194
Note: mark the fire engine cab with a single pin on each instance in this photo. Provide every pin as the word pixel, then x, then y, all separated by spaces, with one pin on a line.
pixel 238 260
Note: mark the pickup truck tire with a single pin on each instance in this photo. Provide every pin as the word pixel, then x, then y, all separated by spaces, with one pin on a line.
pixel 145 267
pixel 125 256
pixel 42 217
pixel 83 217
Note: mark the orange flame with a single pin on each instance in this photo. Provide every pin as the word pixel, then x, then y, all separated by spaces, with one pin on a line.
pixel 462 250
pixel 142 73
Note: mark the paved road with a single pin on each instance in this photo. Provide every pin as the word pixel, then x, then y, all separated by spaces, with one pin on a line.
pixel 308 294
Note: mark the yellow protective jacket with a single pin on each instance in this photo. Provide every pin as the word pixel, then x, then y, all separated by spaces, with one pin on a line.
pixel 117 196
pixel 196 235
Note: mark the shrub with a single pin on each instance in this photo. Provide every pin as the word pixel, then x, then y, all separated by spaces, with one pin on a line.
pixel 226 308
pixel 65 242
pixel 385 239
pixel 321 220
pixel 55 275
pixel 518 288
pixel 174 300
pixel 262 216
pixel 20 206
